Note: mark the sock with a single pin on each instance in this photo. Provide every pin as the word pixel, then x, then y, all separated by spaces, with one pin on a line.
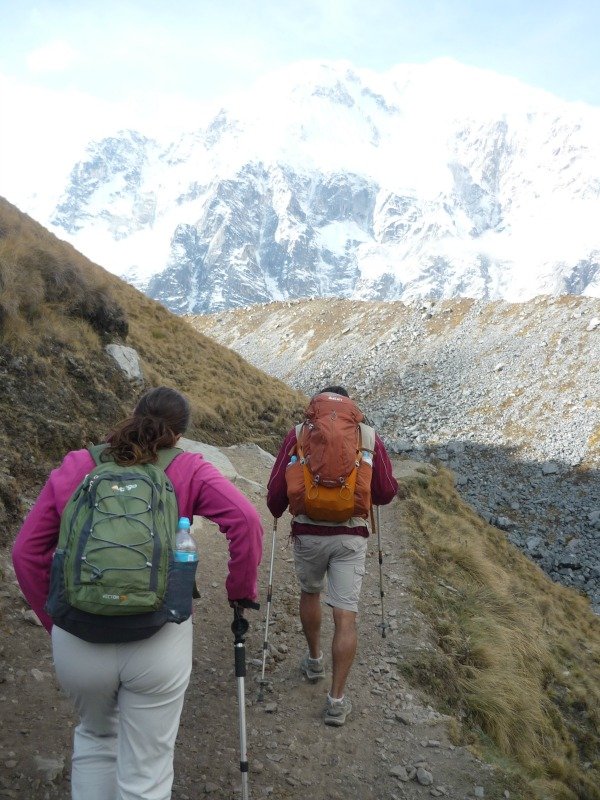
pixel 335 700
pixel 315 660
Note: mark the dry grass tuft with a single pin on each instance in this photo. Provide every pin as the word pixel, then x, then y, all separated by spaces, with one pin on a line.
pixel 519 656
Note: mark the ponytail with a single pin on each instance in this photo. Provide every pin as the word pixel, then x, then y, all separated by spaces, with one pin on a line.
pixel 159 418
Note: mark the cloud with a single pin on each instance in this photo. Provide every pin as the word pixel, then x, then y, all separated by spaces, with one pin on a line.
pixel 56 56
pixel 48 132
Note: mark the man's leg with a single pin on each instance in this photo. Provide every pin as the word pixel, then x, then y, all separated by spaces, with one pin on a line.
pixel 310 617
pixel 343 650
pixel 311 563
pixel 345 574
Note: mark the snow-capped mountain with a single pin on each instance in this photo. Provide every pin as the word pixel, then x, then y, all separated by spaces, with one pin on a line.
pixel 430 180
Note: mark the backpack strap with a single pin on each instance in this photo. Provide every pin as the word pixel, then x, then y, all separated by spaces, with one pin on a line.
pixel 367 437
pixel 96 451
pixel 165 455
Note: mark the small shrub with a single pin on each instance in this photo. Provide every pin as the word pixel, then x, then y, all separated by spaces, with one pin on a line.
pixel 102 312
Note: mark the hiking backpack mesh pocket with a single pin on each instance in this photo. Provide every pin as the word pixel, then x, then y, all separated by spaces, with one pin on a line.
pixel 115 545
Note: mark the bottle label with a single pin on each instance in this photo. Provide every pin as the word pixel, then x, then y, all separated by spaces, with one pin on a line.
pixel 185 556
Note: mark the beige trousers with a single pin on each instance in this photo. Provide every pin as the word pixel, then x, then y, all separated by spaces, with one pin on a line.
pixel 129 699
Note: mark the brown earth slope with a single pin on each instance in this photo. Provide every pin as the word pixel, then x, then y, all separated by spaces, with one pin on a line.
pixel 59 389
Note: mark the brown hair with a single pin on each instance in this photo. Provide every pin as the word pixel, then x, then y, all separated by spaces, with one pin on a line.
pixel 160 416
pixel 335 390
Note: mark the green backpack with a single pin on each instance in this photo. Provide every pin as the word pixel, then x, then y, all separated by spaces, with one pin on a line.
pixel 114 558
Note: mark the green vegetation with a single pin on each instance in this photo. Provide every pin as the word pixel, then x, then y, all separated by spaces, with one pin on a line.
pixel 60 390
pixel 516 657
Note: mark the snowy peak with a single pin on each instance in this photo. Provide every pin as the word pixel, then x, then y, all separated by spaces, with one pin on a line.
pixel 428 180
pixel 111 175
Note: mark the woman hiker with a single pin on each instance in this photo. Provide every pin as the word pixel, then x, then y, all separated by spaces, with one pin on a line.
pixel 129 694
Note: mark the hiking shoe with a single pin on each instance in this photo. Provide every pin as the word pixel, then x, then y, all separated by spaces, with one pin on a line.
pixel 312 667
pixel 336 711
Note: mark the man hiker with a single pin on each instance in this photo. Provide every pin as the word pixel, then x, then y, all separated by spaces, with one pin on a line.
pixel 329 525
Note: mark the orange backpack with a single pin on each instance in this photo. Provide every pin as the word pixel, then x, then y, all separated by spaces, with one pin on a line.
pixel 329 474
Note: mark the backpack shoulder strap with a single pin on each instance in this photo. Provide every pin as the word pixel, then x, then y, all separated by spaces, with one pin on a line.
pixel 96 451
pixel 298 446
pixel 167 455
pixel 367 437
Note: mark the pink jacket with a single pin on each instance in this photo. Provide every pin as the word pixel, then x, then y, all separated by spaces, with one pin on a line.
pixel 201 490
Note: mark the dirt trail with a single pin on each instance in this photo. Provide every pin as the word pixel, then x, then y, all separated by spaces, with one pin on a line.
pixel 292 754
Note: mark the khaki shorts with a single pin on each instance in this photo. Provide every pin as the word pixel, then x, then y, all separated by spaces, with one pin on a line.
pixel 341 558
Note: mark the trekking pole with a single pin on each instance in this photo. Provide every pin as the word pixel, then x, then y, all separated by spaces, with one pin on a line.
pixel 239 626
pixel 383 624
pixel 263 682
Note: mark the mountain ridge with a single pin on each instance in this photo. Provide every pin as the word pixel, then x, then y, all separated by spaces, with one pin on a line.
pixel 458 368
pixel 431 180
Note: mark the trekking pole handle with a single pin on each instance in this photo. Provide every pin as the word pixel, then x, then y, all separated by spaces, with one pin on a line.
pixel 239 627
pixel 240 624
pixel 239 660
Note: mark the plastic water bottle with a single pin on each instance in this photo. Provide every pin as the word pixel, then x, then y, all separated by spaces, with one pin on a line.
pixel 293 460
pixel 367 456
pixel 185 545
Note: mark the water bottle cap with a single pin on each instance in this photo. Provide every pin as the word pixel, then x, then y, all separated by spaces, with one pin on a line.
pixel 183 523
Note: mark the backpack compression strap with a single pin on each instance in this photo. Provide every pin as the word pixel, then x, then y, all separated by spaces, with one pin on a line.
pixel 367 436
pixel 165 455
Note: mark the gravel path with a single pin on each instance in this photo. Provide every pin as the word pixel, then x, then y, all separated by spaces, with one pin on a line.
pixel 394 744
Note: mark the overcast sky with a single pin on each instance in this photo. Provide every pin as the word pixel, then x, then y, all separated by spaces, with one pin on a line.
pixel 70 67
pixel 123 50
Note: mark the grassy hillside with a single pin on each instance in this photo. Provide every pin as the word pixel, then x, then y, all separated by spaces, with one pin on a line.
pixel 60 390
pixel 516 657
